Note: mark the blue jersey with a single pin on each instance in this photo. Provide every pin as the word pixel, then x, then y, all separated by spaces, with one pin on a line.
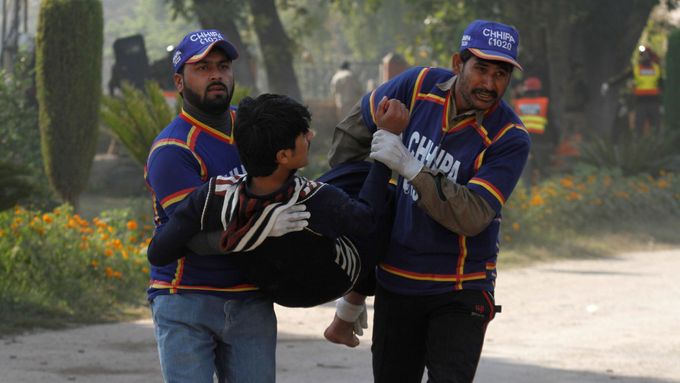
pixel 183 157
pixel 488 157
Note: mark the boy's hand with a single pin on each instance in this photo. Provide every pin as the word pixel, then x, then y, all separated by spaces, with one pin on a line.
pixel 391 115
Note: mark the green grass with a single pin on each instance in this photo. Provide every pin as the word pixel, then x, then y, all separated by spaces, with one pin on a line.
pixel 604 242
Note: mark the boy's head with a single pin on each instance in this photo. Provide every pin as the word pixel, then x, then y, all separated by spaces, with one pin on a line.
pixel 270 131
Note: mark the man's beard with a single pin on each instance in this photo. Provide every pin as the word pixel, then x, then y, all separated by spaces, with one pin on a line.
pixel 216 105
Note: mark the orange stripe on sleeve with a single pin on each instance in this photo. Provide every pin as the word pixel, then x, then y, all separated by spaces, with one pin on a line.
pixel 176 197
pixel 490 188
pixel 371 103
pixel 416 87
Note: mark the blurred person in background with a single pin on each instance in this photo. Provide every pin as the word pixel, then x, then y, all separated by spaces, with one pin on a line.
pixel 458 161
pixel 345 90
pixel 647 90
pixel 532 108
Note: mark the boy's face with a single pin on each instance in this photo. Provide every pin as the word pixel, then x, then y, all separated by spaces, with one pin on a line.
pixel 299 155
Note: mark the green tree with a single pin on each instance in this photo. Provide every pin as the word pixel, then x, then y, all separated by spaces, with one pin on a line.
pixel 573 45
pixel 671 92
pixel 68 67
pixel 19 119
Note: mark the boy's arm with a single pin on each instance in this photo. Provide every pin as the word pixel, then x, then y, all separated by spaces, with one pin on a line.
pixel 294 218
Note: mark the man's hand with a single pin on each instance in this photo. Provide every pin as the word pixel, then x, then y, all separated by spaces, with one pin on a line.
pixel 391 115
pixel 289 220
pixel 388 149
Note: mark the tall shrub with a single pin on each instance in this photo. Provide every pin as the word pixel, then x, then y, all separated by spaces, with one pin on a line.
pixel 671 95
pixel 68 74
pixel 137 117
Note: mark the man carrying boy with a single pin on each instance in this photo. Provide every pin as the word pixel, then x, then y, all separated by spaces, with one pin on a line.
pixel 459 159
pixel 327 257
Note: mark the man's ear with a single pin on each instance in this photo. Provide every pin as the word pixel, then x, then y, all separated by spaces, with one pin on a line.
pixel 456 63
pixel 179 82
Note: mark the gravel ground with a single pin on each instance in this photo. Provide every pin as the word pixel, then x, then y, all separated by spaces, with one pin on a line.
pixel 587 321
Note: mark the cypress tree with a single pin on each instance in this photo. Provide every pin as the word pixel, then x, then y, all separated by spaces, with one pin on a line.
pixel 68 80
pixel 671 85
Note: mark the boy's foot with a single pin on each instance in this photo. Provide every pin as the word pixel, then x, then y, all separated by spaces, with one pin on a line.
pixel 341 332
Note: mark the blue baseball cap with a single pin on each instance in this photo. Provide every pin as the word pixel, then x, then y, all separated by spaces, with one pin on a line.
pixel 196 45
pixel 490 40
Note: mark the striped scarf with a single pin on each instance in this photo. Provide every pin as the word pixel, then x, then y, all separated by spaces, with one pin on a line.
pixel 247 220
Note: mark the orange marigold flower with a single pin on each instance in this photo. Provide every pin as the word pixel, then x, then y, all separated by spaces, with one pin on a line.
pixel 567 182
pixel 573 196
pixel 117 274
pixel 108 271
pixel 84 245
pixel 105 236
pixel 2 233
pixel 94 263
pixel 145 270
pixel 132 239
pixel 536 200
pixel 47 218
pixel 117 244
pixel 108 252
pixel 662 183
pixel 124 254
pixel 131 224
pixel 515 226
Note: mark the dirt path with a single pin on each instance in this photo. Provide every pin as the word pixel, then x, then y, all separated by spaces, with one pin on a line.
pixel 590 321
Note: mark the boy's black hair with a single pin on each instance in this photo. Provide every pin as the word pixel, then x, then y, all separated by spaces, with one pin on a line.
pixel 466 55
pixel 265 125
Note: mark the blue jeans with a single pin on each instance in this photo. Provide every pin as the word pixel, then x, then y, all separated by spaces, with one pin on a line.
pixel 199 335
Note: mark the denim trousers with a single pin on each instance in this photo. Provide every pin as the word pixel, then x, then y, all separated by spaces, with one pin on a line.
pixel 443 332
pixel 202 335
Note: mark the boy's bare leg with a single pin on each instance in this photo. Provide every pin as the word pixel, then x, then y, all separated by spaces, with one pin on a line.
pixel 345 331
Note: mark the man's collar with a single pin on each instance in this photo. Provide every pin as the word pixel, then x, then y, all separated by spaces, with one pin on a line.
pixel 449 85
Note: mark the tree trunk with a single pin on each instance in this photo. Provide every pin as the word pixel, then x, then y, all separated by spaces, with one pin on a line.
pixel 221 15
pixel 616 25
pixel 276 49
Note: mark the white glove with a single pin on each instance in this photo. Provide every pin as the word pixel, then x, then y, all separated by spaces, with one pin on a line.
pixel 289 220
pixel 352 313
pixel 387 148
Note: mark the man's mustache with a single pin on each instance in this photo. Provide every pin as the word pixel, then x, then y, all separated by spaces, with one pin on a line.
pixel 482 92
